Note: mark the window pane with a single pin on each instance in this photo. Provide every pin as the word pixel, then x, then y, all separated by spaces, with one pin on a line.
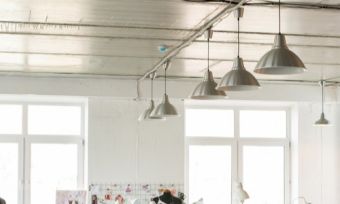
pixel 54 120
pixel 10 119
pixel 263 124
pixel 9 172
pixel 209 122
pixel 263 174
pixel 210 174
pixel 53 167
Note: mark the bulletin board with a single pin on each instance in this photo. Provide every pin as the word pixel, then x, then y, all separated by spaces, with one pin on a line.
pixel 110 193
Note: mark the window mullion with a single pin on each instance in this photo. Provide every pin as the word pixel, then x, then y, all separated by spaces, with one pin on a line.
pixel 287 171
pixel 25 157
pixel 235 175
pixel 238 175
pixel 81 164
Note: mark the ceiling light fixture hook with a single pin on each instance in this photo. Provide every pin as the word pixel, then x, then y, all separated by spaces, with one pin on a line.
pixel 208 34
pixel 167 64
pixel 153 75
pixel 322 83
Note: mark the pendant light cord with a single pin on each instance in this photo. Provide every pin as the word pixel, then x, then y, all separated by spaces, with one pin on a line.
pixel 208 50
pixel 321 161
pixel 151 88
pixel 137 154
pixel 279 16
pixel 238 37
pixel 165 79
pixel 322 95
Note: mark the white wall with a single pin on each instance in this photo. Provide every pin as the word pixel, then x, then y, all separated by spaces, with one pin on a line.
pixel 113 131
pixel 114 134
pixel 319 154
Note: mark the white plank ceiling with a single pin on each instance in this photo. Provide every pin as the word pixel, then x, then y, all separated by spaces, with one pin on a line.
pixel 121 38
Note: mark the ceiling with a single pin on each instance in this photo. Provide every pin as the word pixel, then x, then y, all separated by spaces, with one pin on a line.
pixel 121 38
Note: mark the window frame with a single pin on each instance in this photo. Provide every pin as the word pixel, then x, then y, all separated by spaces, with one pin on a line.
pixel 236 143
pixel 218 142
pixel 25 140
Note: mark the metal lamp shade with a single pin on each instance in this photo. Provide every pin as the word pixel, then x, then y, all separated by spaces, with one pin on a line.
pixel 146 115
pixel 322 121
pixel 206 90
pixel 280 60
pixel 238 79
pixel 165 109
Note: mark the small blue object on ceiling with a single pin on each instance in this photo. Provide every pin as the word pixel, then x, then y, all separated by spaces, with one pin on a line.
pixel 163 48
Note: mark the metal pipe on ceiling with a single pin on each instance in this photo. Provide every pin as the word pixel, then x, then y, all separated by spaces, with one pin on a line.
pixel 17 31
pixel 227 10
pixel 296 5
pixel 306 35
pixel 218 60
pixel 330 81
pixel 43 24
pixel 178 40
pixel 299 5
pixel 138 57
pixel 269 81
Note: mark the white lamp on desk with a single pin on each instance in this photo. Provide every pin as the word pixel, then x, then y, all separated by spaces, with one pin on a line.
pixel 240 194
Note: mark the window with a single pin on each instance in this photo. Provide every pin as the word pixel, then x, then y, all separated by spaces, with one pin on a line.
pixel 197 120
pixel 41 150
pixel 59 160
pixel 263 173
pixel 10 119
pixel 229 144
pixel 9 171
pixel 208 178
pixel 263 123
pixel 54 120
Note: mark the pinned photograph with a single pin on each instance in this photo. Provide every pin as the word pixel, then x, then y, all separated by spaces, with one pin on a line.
pixel 71 197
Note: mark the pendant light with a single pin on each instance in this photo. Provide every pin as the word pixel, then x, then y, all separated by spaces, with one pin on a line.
pixel 206 90
pixel 165 108
pixel 238 79
pixel 322 121
pixel 146 115
pixel 280 60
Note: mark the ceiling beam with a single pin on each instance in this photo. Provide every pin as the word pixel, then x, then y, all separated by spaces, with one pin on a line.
pixel 330 82
pixel 295 5
pixel 178 39
pixel 144 57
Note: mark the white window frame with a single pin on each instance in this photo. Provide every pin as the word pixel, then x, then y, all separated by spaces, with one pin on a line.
pixel 25 140
pixel 236 143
